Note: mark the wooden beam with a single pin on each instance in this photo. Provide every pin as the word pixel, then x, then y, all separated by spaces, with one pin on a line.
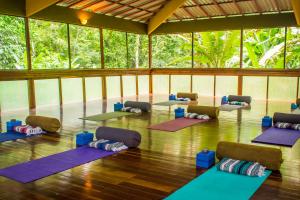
pixel 35 6
pixel 31 94
pixel 240 85
pixel 12 7
pixel 83 90
pixel 162 15
pixel 104 92
pixel 296 8
pixel 229 23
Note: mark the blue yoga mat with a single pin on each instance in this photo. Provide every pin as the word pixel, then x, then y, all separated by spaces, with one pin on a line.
pixel 11 136
pixel 216 185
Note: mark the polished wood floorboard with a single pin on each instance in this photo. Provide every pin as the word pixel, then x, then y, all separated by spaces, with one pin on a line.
pixel 163 163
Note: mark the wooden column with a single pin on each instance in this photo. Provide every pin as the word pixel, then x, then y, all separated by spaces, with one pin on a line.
pixel 297 93
pixel 170 84
pixel 121 86
pixel 83 90
pixel 60 92
pixel 104 92
pixel 241 48
pixel 192 50
pixel 150 84
pixel 284 52
pixel 31 94
pixel 240 85
pixel 101 49
pixel 150 64
pixel 69 46
pixel 136 85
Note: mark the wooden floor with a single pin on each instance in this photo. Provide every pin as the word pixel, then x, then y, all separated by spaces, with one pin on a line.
pixel 163 163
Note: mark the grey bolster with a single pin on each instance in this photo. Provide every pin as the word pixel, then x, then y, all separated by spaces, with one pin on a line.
pixel 144 106
pixel 246 99
pixel 286 117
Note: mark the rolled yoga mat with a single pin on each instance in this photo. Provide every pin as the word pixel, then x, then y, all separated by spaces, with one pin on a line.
pixel 191 96
pixel 278 136
pixel 176 124
pixel 266 156
pixel 217 185
pixel 48 124
pixel 11 136
pixel 144 106
pixel 286 117
pixel 36 169
pixel 106 116
pixel 128 137
pixel 212 112
pixel 239 98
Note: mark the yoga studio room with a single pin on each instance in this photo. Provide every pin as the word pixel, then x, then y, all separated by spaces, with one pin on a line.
pixel 149 99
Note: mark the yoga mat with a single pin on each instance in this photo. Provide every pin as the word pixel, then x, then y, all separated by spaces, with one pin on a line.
pixel 296 111
pixel 216 185
pixel 277 136
pixel 176 124
pixel 106 116
pixel 227 107
pixel 43 167
pixel 171 103
pixel 11 136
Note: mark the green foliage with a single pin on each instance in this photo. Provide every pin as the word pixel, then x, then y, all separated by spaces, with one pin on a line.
pixel 115 51
pixel 293 48
pixel 49 45
pixel 12 43
pixel 85 47
pixel 137 51
pixel 263 48
pixel 217 49
pixel 172 51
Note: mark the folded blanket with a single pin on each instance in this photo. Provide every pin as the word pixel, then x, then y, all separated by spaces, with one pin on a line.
pixel 241 167
pixel 196 116
pixel 108 145
pixel 28 130
pixel 283 125
pixel 296 127
pixel 238 103
pixel 130 109
pixel 183 99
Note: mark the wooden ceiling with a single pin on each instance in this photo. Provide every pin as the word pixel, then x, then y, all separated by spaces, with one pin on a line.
pixel 144 10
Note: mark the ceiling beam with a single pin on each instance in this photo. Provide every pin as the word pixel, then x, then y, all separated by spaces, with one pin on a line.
pixel 34 6
pixel 296 8
pixel 162 15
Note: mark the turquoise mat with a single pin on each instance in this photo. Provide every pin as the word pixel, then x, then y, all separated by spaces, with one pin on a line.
pixel 216 185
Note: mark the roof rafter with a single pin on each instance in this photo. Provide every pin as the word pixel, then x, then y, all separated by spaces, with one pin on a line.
pixel 34 6
pixel 296 8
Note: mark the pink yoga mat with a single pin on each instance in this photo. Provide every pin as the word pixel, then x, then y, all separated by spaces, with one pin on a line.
pixel 176 124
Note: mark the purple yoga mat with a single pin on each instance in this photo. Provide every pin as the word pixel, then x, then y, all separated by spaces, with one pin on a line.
pixel 43 167
pixel 176 124
pixel 277 136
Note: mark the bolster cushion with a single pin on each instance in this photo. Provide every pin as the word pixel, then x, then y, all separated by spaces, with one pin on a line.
pixel 271 158
pixel 128 137
pixel 48 124
pixel 286 117
pixel 144 106
pixel 298 102
pixel 246 99
pixel 191 96
pixel 212 112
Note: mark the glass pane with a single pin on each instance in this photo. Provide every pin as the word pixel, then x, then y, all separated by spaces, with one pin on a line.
pixel 49 45
pixel 13 95
pixel 137 51
pixel 282 88
pixel 85 47
pixel 293 48
pixel 46 92
pixel 72 90
pixel 160 84
pixel 263 48
pixel 93 87
pixel 172 50
pixel 180 83
pixel 226 85
pixel 115 51
pixel 143 84
pixel 255 86
pixel 129 86
pixel 219 49
pixel 113 88
pixel 12 43
pixel 203 85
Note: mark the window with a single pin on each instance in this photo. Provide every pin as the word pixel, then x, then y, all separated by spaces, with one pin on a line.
pixel 113 87
pixel 93 87
pixel 129 85
pixel 263 48
pixel 255 86
pixel 12 43
pixel 226 85
pixel 282 88
pixel 85 47
pixel 143 82
pixel 72 90
pixel 180 83
pixel 137 51
pixel 293 48
pixel 46 92
pixel 219 49
pixel 49 45
pixel 172 51
pixel 160 84
pixel 115 51
pixel 203 85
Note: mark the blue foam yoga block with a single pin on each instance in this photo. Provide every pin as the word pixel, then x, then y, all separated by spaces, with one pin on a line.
pixel 118 106
pixel 205 159
pixel 84 138
pixel 266 121
pixel 172 97
pixel 224 100
pixel 294 106
pixel 11 124
pixel 179 112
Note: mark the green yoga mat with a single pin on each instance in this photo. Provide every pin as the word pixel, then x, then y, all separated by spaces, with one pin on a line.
pixel 171 103
pixel 216 185
pixel 106 116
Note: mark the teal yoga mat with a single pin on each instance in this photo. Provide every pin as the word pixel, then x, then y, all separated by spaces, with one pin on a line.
pixel 216 185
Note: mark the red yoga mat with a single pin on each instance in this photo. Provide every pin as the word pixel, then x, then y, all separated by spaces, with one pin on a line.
pixel 176 124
